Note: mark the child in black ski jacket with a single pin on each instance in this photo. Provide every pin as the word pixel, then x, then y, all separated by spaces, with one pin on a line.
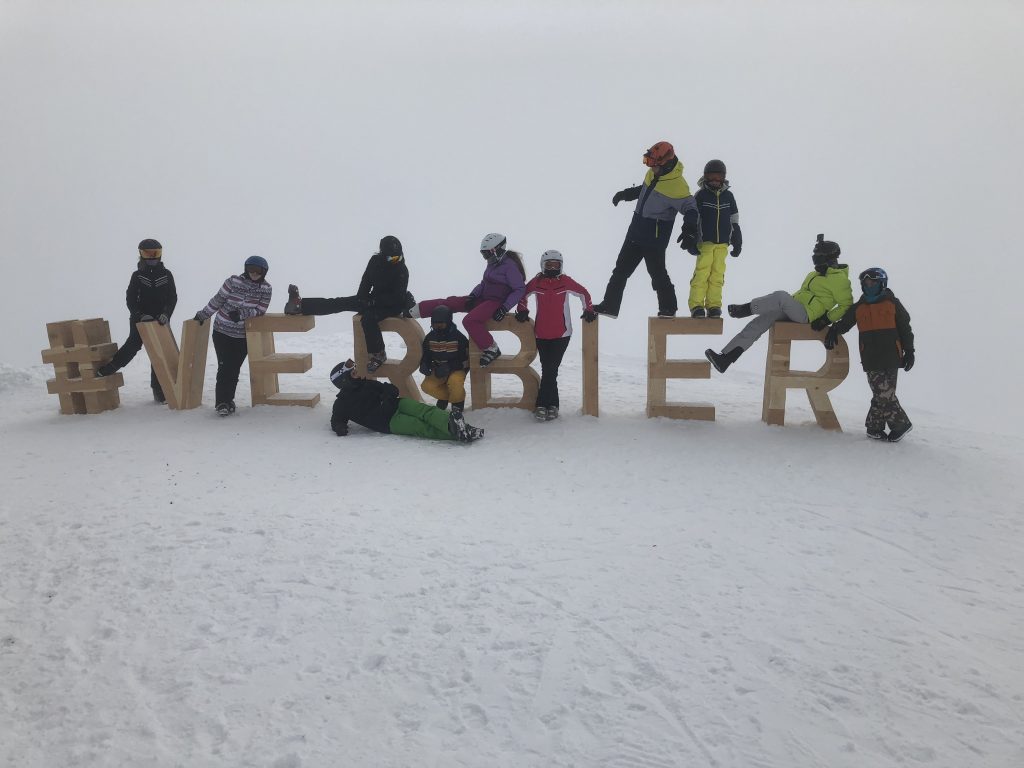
pixel 445 360
pixel 150 296
pixel 886 345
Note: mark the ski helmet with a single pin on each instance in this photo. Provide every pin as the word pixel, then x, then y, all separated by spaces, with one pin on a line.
pixel 341 372
pixel 391 248
pixel 659 154
pixel 714 166
pixel 441 314
pixel 257 261
pixel 551 256
pixel 878 274
pixel 150 250
pixel 492 247
pixel 826 252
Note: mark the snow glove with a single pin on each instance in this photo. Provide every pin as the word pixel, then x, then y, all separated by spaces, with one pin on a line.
pixel 820 323
pixel 147 319
pixel 162 319
pixel 522 315
pixel 589 315
pixel 235 315
pixel 831 338
pixel 470 302
pixel 736 240
pixel 200 317
pixel 908 359
pixel 499 314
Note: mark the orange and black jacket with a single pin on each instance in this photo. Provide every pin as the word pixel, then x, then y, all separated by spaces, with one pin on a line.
pixel 885 332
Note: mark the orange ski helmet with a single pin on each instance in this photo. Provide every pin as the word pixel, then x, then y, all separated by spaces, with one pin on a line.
pixel 659 154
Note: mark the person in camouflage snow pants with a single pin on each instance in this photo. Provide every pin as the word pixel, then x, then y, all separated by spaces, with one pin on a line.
pixel 885 406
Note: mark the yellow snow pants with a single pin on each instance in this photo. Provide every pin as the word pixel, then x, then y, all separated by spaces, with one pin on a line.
pixel 452 389
pixel 708 275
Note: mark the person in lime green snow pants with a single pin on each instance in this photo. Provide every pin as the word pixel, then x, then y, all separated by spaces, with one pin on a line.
pixel 378 406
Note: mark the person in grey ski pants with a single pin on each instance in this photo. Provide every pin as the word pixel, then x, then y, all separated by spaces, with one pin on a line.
pixel 768 310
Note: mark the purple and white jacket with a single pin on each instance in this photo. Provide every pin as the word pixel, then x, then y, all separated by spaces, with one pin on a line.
pixel 251 299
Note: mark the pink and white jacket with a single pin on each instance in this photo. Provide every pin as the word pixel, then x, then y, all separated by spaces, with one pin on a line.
pixel 553 320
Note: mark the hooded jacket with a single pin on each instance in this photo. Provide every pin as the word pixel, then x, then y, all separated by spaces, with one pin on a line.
pixel 718 213
pixel 885 333
pixel 659 199
pixel 151 291
pixel 829 294
pixel 368 403
pixel 384 282
pixel 503 282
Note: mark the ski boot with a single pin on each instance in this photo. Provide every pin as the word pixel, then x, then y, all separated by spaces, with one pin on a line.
pixel 489 355
pixel 540 413
pixel 552 412
pixel 294 304
pixel 697 312
pixel 724 360
pixel 714 312
pixel 740 310
pixel 377 359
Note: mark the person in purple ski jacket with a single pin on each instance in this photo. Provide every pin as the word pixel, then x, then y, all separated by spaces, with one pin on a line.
pixel 504 283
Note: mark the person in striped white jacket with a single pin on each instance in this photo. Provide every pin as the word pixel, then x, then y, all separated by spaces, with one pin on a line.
pixel 241 297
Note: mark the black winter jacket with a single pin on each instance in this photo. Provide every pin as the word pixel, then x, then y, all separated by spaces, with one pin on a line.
pixel 716 212
pixel 444 352
pixel 151 292
pixel 384 282
pixel 367 402
pixel 885 332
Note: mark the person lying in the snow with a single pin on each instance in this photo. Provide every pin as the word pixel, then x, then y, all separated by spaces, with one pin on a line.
pixel 377 405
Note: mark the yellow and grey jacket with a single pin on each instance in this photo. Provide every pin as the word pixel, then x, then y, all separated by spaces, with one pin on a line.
pixel 659 199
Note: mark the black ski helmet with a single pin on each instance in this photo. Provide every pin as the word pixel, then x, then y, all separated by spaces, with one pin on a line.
pixel 875 273
pixel 341 372
pixel 714 166
pixel 259 262
pixel 149 244
pixel 390 246
pixel 826 252
pixel 441 314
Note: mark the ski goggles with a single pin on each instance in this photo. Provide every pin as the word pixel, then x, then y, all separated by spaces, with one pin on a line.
pixel 151 254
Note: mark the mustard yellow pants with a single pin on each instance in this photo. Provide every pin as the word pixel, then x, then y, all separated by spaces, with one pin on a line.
pixel 452 389
pixel 708 275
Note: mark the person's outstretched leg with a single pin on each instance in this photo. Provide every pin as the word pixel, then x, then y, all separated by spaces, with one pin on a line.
pixel 769 310
pixel 314 306
pixel 420 420
pixel 125 353
pixel 629 258
pixel 660 281
pixel 454 303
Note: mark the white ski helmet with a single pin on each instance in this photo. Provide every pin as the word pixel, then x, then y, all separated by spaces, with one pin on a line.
pixel 551 256
pixel 493 246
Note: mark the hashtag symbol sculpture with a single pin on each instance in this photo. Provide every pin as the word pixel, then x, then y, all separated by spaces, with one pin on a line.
pixel 77 348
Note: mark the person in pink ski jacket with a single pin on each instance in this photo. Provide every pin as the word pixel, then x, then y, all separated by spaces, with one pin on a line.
pixel 503 285
pixel 553 326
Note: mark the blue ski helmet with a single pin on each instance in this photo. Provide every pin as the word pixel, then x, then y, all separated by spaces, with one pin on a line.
pixel 874 273
pixel 257 261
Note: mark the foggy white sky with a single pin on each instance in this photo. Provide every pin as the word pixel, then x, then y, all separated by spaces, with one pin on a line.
pixel 305 131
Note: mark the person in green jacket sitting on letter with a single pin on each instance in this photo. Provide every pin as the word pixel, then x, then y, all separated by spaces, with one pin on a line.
pixel 823 298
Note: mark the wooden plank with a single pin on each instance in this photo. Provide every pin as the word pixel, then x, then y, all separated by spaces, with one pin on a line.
pixel 678 326
pixel 307 399
pixel 113 381
pixel 506 365
pixel 779 378
pixel 283 362
pixel 90 354
pixel 591 333
pixel 680 369
pixel 690 411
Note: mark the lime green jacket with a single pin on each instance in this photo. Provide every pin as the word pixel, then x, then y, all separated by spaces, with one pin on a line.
pixel 829 294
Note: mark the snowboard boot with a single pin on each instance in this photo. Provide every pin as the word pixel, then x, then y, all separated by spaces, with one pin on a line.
pixel 895 435
pixel 714 312
pixel 666 313
pixel 457 426
pixel 724 360
pixel 877 434
pixel 489 355
pixel 443 405
pixel 473 433
pixel 602 310
pixel 294 304
pixel 540 413
pixel 740 310
pixel 231 406
pixel 552 412
pixel 697 312
pixel 377 359
pixel 223 409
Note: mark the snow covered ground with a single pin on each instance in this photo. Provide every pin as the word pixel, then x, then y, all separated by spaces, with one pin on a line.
pixel 182 590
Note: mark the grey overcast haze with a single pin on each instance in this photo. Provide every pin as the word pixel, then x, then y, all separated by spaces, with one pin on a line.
pixel 305 131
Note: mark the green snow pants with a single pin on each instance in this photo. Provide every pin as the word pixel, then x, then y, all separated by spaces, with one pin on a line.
pixel 419 420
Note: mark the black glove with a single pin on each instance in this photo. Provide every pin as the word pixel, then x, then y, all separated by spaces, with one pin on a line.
pixel 470 302
pixel 618 197
pixel 235 315
pixel 163 319
pixel 688 240
pixel 442 370
pixel 369 303
pixel 908 359
pixel 589 315
pixel 341 430
pixel 832 337
pixel 499 314
pixel 694 251
pixel 200 317
pixel 736 240
pixel 146 319
pixel 820 323
pixel 523 315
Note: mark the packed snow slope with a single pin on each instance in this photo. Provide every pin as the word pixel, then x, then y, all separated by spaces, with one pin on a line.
pixel 179 589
